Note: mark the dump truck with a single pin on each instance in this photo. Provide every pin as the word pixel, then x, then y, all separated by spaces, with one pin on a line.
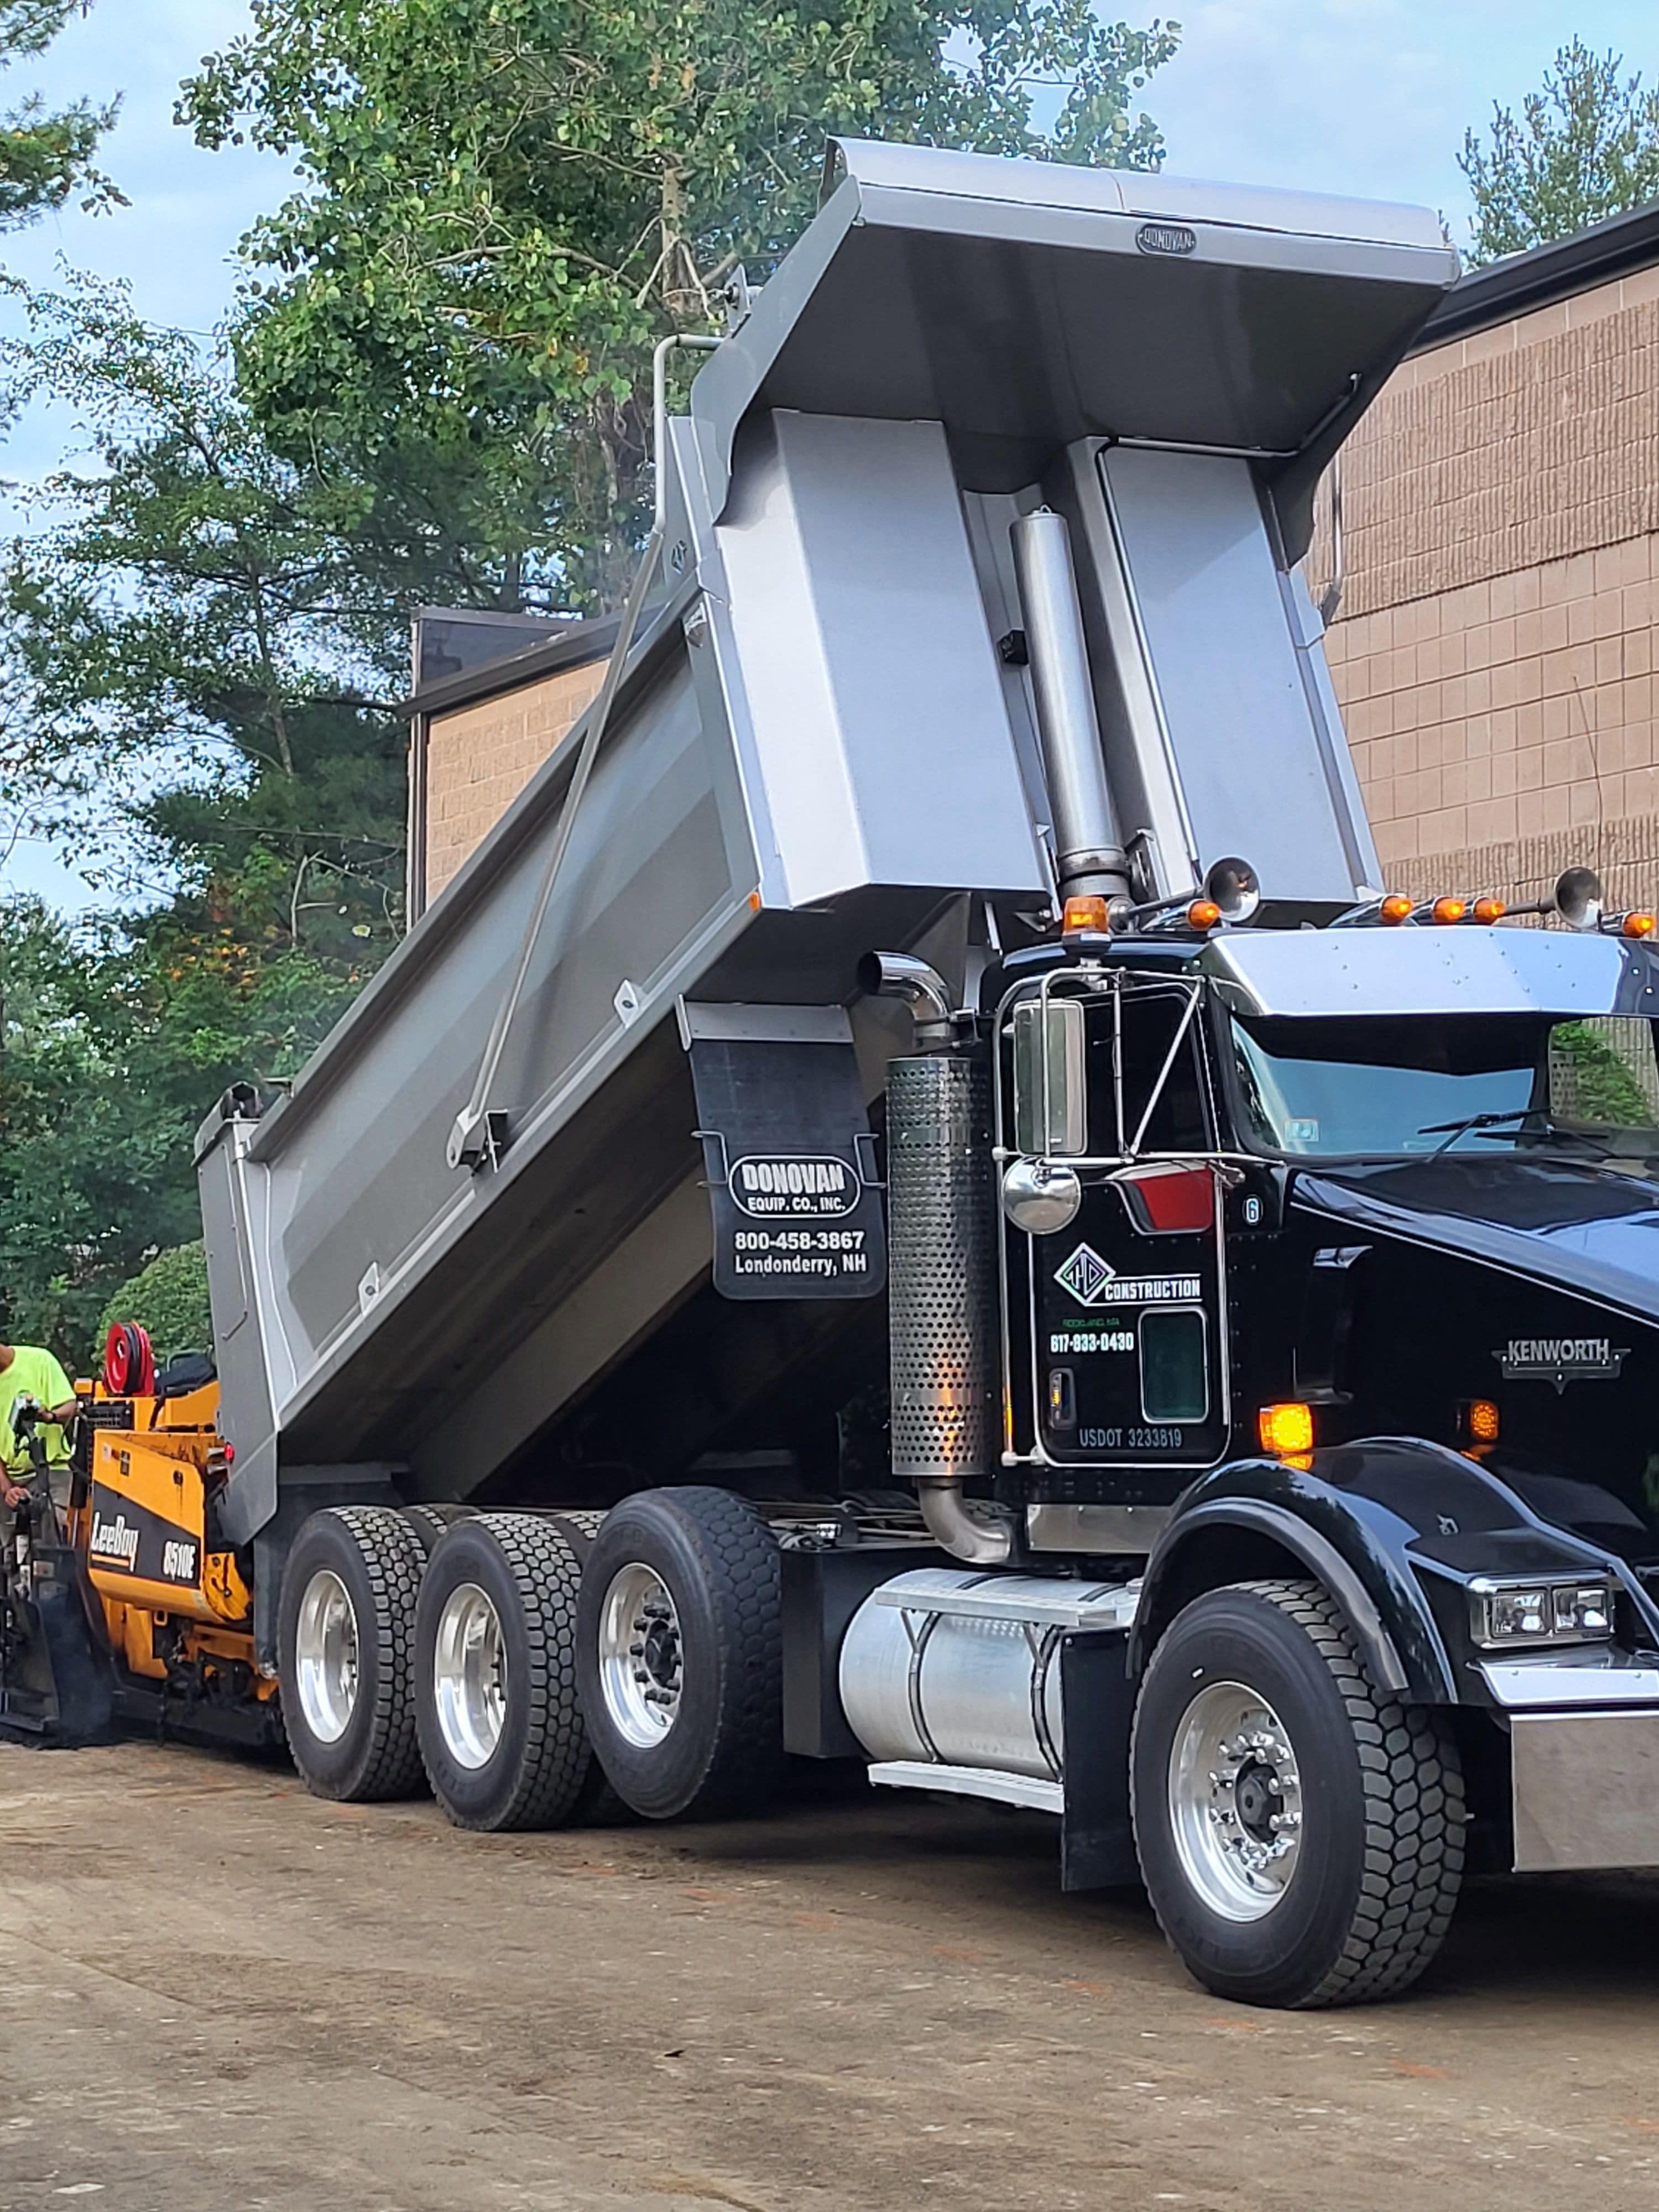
pixel 918 1200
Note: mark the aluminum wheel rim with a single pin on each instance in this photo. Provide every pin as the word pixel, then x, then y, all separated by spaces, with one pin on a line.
pixel 1235 1802
pixel 325 1656
pixel 641 1669
pixel 469 1676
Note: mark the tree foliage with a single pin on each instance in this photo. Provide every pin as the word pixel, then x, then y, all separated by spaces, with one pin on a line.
pixel 190 648
pixel 457 307
pixel 191 671
pixel 1584 148
pixel 46 156
pixel 168 1297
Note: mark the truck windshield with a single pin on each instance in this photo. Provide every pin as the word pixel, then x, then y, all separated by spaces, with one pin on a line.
pixel 1359 1085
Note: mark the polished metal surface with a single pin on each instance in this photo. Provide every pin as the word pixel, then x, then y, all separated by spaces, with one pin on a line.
pixel 1113 1529
pixel 1037 1796
pixel 1234 1799
pixel 940 1666
pixel 1579 1680
pixel 1250 342
pixel 1044 1601
pixel 1050 1080
pixel 1223 637
pixel 942 1325
pixel 640 1655
pixel 902 975
pixel 469 1676
pixel 325 1656
pixel 1410 970
pixel 1088 851
pixel 1041 1197
pixel 1585 1790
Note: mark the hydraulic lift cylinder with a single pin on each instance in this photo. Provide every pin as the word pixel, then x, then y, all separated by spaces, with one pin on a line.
pixel 1088 854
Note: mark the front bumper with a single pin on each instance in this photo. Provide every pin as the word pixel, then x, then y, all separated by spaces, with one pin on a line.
pixel 1584 1731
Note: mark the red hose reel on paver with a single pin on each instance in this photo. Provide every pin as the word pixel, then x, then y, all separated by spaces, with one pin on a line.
pixel 128 1362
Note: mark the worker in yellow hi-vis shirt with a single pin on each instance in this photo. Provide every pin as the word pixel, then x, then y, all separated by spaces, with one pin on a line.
pixel 28 1371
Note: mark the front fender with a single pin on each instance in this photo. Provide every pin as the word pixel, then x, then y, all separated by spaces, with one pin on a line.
pixel 1370 1521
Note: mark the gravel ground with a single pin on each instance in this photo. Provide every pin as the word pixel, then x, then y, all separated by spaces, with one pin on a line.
pixel 217 1992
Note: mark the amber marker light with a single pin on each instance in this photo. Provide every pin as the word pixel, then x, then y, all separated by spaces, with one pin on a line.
pixel 1480 1418
pixel 1203 913
pixel 1488 910
pixel 1637 925
pixel 1395 910
pixel 1085 916
pixel 1285 1431
pixel 1445 910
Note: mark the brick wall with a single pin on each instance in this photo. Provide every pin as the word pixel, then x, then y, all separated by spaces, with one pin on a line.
pixel 1494 654
pixel 480 758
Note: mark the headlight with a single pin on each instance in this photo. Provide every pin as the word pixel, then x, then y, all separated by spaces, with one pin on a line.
pixel 1575 1612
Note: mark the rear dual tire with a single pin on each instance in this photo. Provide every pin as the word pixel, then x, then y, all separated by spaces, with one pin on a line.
pixel 679 1663
pixel 500 1736
pixel 346 1653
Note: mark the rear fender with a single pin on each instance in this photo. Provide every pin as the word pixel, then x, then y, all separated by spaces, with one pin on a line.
pixel 1378 1523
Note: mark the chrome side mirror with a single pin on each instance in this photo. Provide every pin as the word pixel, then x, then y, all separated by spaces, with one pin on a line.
pixel 1041 1196
pixel 1050 1098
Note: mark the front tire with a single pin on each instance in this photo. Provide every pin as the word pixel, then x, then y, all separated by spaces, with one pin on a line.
pixel 345 1650
pixel 501 1734
pixel 1300 1832
pixel 680 1661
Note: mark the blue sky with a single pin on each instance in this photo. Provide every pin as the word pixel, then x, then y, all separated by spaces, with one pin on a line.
pixel 1364 96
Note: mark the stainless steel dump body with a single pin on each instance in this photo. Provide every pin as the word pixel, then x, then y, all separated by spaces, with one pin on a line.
pixel 818 749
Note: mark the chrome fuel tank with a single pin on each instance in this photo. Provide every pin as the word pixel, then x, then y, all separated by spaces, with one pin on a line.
pixel 963 1669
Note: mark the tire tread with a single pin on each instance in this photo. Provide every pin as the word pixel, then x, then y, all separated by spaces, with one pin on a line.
pixel 556 1754
pixel 394 1561
pixel 1413 1813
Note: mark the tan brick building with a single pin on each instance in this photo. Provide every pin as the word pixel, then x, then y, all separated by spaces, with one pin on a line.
pixel 479 730
pixel 1494 653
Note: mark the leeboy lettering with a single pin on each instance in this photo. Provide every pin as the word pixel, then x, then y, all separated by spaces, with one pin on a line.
pixel 113 1540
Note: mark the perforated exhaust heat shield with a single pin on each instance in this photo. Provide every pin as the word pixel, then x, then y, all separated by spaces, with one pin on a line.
pixel 941 1232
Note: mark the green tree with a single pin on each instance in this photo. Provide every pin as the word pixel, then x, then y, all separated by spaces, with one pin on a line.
pixel 90 1156
pixel 504 203
pixel 191 651
pixel 46 156
pixel 168 1297
pixel 192 669
pixel 1584 148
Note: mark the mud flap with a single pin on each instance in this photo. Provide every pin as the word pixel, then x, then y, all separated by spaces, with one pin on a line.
pixel 789 1159
pixel 57 1686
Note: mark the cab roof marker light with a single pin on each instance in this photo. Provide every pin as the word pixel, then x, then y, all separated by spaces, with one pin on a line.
pixel 1637 925
pixel 1086 914
pixel 1488 910
pixel 1442 911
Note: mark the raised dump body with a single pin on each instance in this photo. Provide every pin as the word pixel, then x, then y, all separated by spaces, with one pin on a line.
pixel 823 743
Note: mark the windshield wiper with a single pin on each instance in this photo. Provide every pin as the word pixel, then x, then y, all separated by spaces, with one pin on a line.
pixel 1453 1130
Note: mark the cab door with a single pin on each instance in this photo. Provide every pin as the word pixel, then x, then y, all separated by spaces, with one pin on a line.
pixel 1129 1311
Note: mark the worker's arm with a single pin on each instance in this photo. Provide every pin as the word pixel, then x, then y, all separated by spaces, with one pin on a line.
pixel 63 1414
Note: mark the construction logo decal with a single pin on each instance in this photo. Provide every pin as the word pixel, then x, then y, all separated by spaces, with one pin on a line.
pixel 1092 1282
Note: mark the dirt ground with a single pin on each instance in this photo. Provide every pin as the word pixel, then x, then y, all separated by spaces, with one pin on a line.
pixel 217 1992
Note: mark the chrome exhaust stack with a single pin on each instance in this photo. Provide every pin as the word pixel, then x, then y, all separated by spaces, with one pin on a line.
pixel 941 1271
pixel 1089 857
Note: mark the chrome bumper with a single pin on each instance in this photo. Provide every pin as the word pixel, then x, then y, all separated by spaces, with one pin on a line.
pixel 1584 1758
